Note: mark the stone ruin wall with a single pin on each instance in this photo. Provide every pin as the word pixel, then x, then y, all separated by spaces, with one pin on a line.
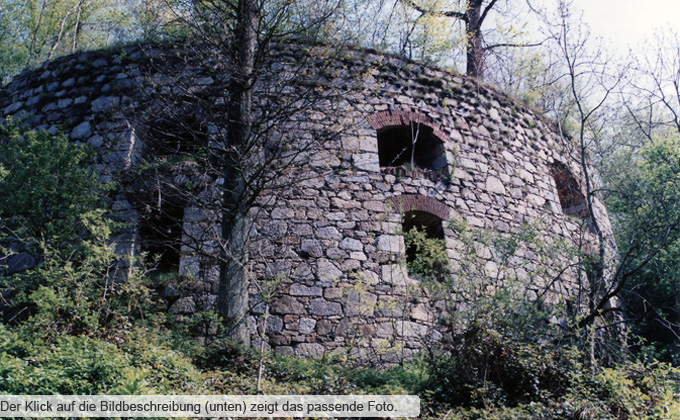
pixel 336 234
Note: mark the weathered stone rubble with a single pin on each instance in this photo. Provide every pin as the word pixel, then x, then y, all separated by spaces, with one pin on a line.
pixel 335 233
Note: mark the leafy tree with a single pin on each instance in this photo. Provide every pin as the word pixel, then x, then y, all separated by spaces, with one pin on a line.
pixel 636 156
pixel 35 30
pixel 646 207
pixel 473 14
pixel 46 186
pixel 52 207
pixel 430 261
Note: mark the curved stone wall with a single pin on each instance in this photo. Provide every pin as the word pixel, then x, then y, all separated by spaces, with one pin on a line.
pixel 334 236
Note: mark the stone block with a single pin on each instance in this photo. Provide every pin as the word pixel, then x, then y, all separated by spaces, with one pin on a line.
pixel 421 313
pixel 100 62
pixel 306 325
pixel 525 175
pixel 491 269
pixel 359 303
pixel 322 307
pixel 309 350
pixel 327 272
pixel 105 103
pixel 395 274
pixel 311 248
pixel 297 289
pixel 324 327
pixel 411 329
pixel 274 229
pixel 358 255
pixel 65 102
pixel 336 216
pixel 285 305
pixel 366 162
pixel 284 350
pixel 328 233
pixel 467 163
pixel 351 244
pixel 391 243
pixel 283 213
pixel 333 292
pixel 384 329
pixel 274 324
pixel 495 185
pixel 205 302
pixel 369 144
pixel 474 221
pixel 183 305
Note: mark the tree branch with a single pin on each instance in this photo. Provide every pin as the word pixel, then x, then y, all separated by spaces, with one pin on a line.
pixel 439 13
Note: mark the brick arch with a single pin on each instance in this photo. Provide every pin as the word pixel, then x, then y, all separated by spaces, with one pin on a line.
pixel 387 119
pixel 416 202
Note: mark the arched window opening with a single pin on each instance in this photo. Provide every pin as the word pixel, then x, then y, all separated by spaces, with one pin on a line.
pixel 411 147
pixel 571 198
pixel 426 257
pixel 160 233
pixel 178 132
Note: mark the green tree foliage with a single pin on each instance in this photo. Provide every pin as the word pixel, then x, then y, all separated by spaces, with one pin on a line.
pixel 430 262
pixel 82 330
pixel 32 31
pixel 646 208
pixel 52 206
pixel 511 354
pixel 47 185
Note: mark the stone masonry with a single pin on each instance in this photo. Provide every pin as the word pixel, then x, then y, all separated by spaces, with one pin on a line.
pixel 400 144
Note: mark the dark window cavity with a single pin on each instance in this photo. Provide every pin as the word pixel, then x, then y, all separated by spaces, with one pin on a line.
pixel 160 233
pixel 412 147
pixel 571 198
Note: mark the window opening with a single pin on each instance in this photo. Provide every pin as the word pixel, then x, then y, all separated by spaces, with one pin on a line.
pixel 426 256
pixel 411 147
pixel 181 132
pixel 161 236
pixel 571 198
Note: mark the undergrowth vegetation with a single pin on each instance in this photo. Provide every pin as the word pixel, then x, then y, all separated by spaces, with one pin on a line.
pixel 494 378
pixel 71 327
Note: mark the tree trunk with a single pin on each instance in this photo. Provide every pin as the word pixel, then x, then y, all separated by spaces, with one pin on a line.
pixel 232 301
pixel 475 43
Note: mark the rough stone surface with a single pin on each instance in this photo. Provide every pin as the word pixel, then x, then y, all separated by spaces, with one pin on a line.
pixel 358 303
pixel 323 307
pixel 310 350
pixel 306 325
pixel 328 272
pixel 302 290
pixel 19 262
pixel 332 240
pixel 391 243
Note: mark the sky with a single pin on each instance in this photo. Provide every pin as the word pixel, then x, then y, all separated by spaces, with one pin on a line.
pixel 626 23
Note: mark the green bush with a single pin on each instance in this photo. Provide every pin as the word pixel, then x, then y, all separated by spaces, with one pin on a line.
pixel 427 259
pixel 486 367
pixel 86 365
pixel 47 184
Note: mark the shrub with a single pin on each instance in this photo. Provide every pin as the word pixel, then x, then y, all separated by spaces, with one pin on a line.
pixel 428 259
pixel 47 184
pixel 85 365
pixel 486 367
